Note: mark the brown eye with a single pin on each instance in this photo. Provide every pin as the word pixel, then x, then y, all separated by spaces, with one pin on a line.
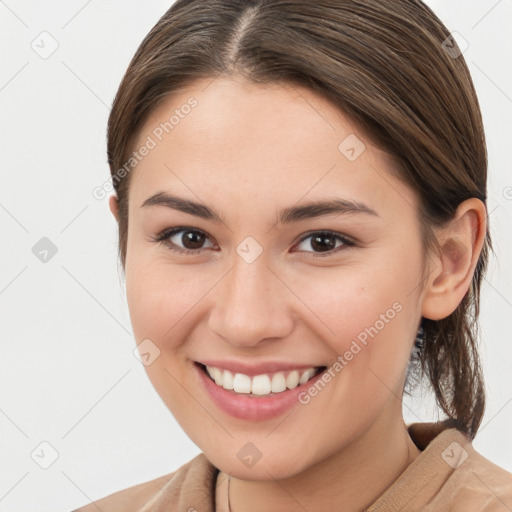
pixel 192 239
pixel 187 240
pixel 324 242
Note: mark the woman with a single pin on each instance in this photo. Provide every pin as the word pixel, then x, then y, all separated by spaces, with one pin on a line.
pixel 301 200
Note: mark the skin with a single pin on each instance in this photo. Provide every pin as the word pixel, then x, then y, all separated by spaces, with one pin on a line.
pixel 247 151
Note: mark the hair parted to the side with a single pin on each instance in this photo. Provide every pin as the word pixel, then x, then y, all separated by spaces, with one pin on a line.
pixel 382 62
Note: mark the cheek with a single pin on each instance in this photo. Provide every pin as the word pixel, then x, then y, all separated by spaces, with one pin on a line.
pixel 161 299
pixel 365 316
pixel 343 300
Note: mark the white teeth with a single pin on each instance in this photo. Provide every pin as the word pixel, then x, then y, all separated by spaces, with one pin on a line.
pixel 241 383
pixel 306 375
pixel 278 383
pixel 227 380
pixel 292 381
pixel 217 376
pixel 259 384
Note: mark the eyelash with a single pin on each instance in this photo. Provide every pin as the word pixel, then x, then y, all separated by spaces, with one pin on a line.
pixel 162 237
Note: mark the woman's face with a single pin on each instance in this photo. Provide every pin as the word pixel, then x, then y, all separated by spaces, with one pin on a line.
pixel 262 283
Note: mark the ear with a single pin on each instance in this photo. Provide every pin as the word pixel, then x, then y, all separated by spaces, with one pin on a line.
pixel 114 206
pixel 451 272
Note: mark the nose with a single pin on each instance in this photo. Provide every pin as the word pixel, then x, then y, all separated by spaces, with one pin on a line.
pixel 251 304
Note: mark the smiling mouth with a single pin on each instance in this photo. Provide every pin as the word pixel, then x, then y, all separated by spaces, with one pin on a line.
pixel 264 385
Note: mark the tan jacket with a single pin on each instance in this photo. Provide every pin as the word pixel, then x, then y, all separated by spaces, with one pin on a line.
pixel 448 476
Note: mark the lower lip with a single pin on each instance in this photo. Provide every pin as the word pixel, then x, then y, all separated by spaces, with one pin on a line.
pixel 253 408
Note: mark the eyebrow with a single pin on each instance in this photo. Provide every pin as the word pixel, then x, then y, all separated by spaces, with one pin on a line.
pixel 286 216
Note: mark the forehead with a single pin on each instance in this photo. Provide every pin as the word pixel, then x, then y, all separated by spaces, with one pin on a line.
pixel 234 140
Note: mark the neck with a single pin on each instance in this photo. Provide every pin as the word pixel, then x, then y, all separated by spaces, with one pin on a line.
pixel 355 477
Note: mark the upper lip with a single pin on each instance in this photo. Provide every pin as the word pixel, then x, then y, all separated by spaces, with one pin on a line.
pixel 252 369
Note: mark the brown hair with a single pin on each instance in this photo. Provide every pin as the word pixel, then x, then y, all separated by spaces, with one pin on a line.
pixel 391 66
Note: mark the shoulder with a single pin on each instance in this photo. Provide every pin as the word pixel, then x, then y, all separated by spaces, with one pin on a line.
pixel 165 490
pixel 131 498
pixel 479 484
pixel 451 475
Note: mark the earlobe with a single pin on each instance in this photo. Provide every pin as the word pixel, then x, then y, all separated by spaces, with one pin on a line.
pixel 114 206
pixel 461 243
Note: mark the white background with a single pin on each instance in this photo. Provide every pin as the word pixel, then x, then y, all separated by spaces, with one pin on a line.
pixel 69 376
